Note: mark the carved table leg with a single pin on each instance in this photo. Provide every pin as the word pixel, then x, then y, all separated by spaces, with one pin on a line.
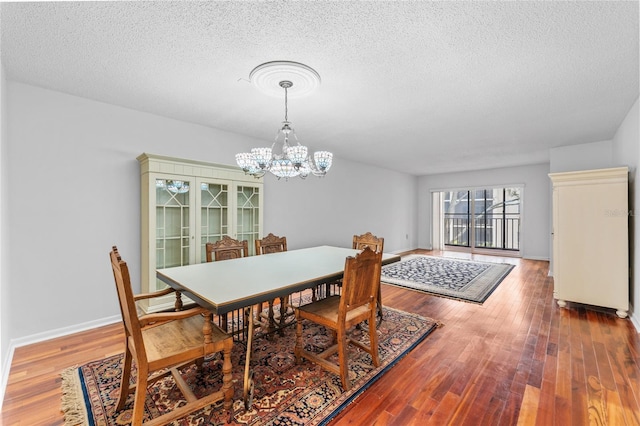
pixel 178 304
pixel 248 374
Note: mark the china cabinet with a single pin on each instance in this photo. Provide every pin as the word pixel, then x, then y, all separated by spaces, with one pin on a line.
pixel 184 205
pixel 591 237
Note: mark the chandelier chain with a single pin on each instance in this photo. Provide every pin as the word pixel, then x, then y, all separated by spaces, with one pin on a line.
pixel 286 105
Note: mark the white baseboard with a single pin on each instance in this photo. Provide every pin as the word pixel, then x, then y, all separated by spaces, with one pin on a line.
pixel 64 331
pixel 6 367
pixel 41 337
pixel 636 322
pixel 402 251
pixel 633 316
pixel 535 258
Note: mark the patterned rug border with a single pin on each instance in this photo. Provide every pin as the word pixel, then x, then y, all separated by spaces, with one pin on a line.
pixel 77 398
pixel 445 293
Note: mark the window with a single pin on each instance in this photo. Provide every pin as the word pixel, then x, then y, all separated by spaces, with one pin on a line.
pixel 486 218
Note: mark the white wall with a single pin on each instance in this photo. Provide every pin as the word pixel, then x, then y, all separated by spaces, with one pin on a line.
pixel 75 192
pixel 5 307
pixel 586 156
pixel 352 199
pixel 536 226
pixel 626 152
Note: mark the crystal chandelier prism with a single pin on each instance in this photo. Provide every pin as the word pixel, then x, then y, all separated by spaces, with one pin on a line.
pixel 293 159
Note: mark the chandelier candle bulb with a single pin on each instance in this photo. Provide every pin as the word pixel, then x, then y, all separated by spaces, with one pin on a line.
pixel 262 156
pixel 323 160
pixel 297 154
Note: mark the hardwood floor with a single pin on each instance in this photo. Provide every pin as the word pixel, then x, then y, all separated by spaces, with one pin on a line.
pixel 516 359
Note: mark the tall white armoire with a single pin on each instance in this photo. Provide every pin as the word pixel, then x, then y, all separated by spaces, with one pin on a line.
pixel 591 238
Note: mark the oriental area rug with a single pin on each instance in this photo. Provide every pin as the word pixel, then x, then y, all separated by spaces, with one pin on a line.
pixel 465 280
pixel 285 393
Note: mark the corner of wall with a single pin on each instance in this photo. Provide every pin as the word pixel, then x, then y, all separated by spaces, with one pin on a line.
pixel 634 319
pixel 5 355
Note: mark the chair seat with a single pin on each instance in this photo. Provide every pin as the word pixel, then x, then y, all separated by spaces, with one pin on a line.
pixel 327 309
pixel 178 338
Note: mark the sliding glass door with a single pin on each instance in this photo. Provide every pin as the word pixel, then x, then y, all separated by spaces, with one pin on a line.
pixel 457 218
pixel 487 218
pixel 497 218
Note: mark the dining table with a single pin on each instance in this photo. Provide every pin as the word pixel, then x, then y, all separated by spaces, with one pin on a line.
pixel 248 282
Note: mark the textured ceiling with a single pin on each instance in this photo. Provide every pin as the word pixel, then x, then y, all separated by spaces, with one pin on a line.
pixel 421 87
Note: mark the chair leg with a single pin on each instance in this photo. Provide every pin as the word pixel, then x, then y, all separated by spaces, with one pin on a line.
pixel 227 378
pixel 373 340
pixel 379 307
pixel 343 359
pixel 224 323
pixel 272 320
pixel 298 346
pixel 124 379
pixel 140 395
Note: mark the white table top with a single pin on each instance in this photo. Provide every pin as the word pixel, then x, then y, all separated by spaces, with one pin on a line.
pixel 236 283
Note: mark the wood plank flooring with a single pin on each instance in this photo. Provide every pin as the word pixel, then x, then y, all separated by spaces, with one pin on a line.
pixel 518 359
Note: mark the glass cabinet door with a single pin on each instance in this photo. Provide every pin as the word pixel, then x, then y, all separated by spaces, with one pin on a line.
pixel 214 214
pixel 248 208
pixel 173 223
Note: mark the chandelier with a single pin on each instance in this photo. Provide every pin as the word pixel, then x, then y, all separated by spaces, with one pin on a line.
pixel 175 186
pixel 293 159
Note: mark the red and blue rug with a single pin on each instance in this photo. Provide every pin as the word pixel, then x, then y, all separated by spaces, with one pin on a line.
pixel 285 393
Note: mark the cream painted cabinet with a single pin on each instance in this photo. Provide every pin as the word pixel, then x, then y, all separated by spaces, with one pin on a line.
pixel 590 238
pixel 184 205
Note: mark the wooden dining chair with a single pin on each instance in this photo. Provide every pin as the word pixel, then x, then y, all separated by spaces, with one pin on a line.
pixel 274 244
pixel 162 344
pixel 356 304
pixel 376 244
pixel 224 249
pixel 271 244
pixel 368 240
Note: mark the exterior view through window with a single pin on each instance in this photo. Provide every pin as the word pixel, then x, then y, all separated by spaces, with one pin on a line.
pixel 482 218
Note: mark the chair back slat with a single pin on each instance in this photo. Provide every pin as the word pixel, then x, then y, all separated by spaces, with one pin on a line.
pixel 368 240
pixel 227 248
pixel 361 280
pixel 271 244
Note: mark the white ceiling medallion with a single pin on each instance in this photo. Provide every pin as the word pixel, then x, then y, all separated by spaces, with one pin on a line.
pixel 267 78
